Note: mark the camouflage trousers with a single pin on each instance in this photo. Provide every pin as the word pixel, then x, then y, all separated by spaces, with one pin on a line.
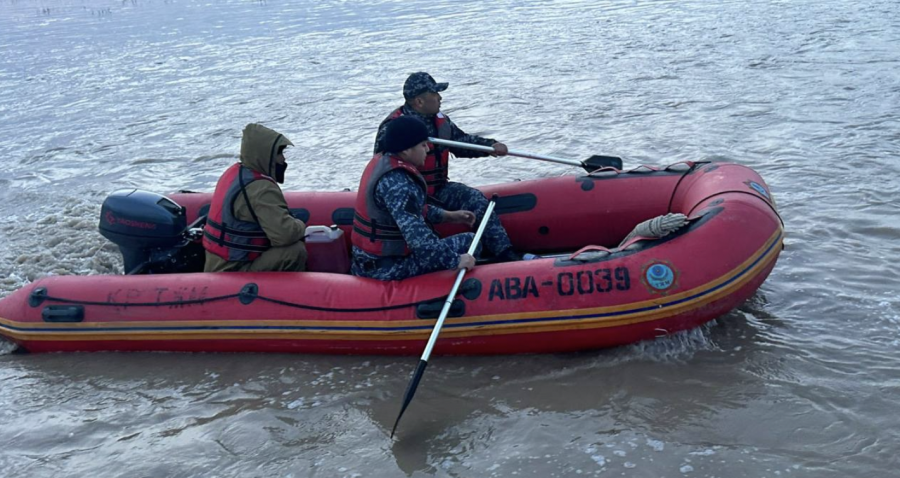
pixel 409 266
pixel 458 196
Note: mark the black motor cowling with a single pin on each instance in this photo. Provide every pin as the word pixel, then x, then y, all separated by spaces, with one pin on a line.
pixel 151 231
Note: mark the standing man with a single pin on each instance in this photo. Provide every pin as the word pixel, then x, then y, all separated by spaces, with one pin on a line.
pixel 423 101
pixel 391 239
pixel 249 226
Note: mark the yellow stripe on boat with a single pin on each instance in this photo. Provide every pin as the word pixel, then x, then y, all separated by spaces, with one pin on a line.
pixel 500 324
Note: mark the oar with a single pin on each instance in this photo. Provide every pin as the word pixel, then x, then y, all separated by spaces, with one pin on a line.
pixel 420 369
pixel 593 163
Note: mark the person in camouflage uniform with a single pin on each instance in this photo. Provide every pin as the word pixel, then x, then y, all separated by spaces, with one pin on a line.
pixel 391 239
pixel 423 101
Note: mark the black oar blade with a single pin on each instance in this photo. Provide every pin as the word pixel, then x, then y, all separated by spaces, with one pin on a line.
pixel 598 161
pixel 410 391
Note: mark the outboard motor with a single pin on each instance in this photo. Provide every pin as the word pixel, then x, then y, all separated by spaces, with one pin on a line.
pixel 152 233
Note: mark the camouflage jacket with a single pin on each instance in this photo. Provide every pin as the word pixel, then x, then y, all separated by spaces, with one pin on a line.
pixel 404 198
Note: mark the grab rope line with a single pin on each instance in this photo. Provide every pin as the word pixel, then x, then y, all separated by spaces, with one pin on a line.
pixel 141 304
pixel 738 191
pixel 233 296
pixel 327 309
pixel 689 171
pixel 694 167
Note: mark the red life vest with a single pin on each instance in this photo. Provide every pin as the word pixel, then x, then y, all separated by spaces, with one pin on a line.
pixel 224 234
pixel 374 229
pixel 435 169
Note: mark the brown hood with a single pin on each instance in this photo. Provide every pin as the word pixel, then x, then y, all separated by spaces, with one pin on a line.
pixel 259 146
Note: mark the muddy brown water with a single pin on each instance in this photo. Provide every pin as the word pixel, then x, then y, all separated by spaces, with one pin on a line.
pixel 800 381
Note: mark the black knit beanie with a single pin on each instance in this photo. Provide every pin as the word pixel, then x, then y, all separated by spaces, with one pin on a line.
pixel 403 133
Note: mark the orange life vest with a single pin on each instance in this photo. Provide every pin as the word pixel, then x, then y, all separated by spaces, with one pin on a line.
pixel 224 234
pixel 435 169
pixel 374 229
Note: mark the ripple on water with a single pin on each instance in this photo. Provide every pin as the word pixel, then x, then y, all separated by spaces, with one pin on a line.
pixel 800 381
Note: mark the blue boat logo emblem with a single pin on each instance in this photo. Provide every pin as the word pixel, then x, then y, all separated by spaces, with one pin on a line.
pixel 660 276
pixel 759 188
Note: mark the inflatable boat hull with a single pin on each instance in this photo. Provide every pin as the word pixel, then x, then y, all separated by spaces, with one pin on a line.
pixel 590 299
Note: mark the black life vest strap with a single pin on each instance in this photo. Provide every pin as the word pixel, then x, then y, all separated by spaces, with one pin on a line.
pixel 378 234
pixel 370 225
pixel 235 232
pixel 232 245
pixel 433 171
pixel 246 197
pixel 374 231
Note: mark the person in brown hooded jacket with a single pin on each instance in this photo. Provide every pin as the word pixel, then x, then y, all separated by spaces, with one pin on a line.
pixel 249 226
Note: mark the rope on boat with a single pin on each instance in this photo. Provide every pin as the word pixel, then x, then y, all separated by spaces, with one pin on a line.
pixel 39 295
pixel 658 227
pixel 328 309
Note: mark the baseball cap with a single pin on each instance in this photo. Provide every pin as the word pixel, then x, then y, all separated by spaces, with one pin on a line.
pixel 421 82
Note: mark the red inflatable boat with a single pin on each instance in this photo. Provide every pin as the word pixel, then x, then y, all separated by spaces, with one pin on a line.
pixel 588 294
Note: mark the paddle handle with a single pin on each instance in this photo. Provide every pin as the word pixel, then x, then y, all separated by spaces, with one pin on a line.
pixel 459 278
pixel 511 152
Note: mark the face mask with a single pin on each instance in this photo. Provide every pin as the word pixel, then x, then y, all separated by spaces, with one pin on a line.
pixel 279 172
